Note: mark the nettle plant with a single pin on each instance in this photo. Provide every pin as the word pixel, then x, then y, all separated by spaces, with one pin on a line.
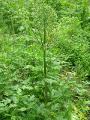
pixel 44 23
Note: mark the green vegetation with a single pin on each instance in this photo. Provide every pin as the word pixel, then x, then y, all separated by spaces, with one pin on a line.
pixel 44 60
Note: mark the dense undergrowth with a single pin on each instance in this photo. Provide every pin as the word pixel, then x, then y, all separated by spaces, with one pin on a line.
pixel 44 60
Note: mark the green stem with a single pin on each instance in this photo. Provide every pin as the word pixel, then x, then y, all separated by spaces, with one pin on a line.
pixel 44 60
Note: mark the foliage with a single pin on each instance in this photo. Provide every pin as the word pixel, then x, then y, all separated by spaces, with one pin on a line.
pixel 44 60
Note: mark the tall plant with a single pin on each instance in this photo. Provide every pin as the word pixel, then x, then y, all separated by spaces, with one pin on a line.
pixel 44 22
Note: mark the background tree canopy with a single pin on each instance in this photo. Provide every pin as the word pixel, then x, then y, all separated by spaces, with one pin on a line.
pixel 44 60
